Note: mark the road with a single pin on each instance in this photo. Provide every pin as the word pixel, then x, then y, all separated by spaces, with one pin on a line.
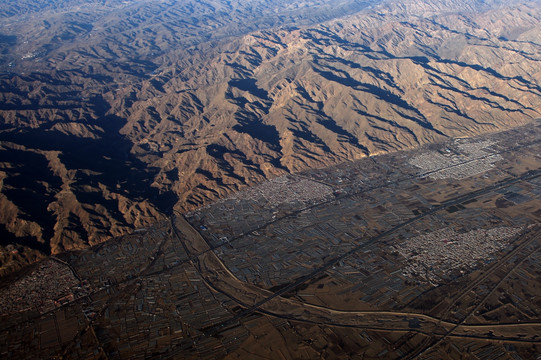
pixel 362 244
pixel 253 299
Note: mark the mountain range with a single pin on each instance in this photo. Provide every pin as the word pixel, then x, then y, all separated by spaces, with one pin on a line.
pixel 114 113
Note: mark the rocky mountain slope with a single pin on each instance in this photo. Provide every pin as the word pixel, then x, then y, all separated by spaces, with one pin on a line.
pixel 114 112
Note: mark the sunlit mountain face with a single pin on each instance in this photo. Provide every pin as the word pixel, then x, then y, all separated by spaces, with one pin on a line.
pixel 115 113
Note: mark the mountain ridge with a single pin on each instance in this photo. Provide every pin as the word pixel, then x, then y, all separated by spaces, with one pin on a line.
pixel 110 134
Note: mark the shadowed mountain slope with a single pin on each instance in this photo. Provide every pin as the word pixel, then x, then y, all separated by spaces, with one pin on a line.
pixel 114 112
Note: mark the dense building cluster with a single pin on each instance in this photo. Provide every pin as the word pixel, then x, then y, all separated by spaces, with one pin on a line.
pixel 435 255
pixel 50 282
pixel 285 189
pixel 471 159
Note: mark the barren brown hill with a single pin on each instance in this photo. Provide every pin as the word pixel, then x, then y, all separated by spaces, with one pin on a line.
pixel 114 112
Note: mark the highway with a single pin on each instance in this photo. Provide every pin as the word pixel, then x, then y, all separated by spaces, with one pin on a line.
pixel 362 244
pixel 430 342
pixel 372 188
pixel 216 276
